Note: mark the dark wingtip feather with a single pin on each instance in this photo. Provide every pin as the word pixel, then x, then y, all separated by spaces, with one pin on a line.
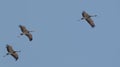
pixel 93 26
pixel 30 39
pixel 16 59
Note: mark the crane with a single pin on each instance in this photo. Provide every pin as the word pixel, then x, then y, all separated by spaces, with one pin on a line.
pixel 26 32
pixel 11 52
pixel 88 18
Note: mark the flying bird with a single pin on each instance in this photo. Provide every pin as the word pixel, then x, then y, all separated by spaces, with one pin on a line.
pixel 12 52
pixel 88 18
pixel 26 32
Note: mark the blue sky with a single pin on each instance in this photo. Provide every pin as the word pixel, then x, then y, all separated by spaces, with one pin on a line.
pixel 59 39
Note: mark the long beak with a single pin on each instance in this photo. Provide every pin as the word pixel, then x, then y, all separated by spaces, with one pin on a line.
pixel 78 20
pixel 18 36
pixel 6 54
pixel 82 18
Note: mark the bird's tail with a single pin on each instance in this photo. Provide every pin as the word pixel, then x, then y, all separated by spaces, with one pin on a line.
pixel 32 31
pixel 93 15
pixel 17 51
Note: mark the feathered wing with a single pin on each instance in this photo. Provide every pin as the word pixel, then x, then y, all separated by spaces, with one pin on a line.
pixel 15 55
pixel 23 28
pixel 85 15
pixel 9 48
pixel 26 32
pixel 29 35
pixel 12 52
pixel 91 22
pixel 88 18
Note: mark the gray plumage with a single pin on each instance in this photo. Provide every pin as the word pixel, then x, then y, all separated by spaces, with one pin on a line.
pixel 88 18
pixel 12 52
pixel 26 32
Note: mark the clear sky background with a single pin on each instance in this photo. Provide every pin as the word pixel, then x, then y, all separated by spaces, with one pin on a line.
pixel 60 40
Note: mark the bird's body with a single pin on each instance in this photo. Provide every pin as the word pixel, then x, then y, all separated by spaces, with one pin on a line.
pixel 88 18
pixel 12 52
pixel 26 32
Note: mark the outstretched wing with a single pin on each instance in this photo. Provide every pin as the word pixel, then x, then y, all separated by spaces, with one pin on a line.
pixel 29 35
pixel 90 21
pixel 9 48
pixel 85 14
pixel 15 55
pixel 12 52
pixel 88 18
pixel 23 28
